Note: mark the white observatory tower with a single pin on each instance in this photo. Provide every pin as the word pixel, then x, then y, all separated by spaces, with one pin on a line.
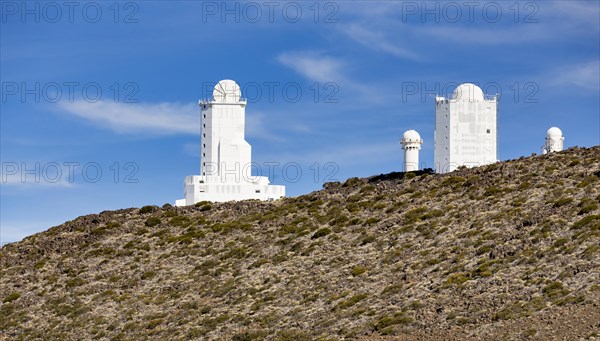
pixel 465 129
pixel 554 141
pixel 411 143
pixel 225 170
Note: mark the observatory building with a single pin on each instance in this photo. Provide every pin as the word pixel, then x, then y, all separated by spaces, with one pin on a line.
pixel 465 129
pixel 225 170
pixel 554 141
pixel 411 143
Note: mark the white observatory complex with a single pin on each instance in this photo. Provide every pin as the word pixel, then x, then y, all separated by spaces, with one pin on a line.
pixel 554 141
pixel 465 129
pixel 225 170
pixel 411 143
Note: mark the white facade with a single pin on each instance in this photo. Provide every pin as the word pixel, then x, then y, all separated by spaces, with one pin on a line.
pixel 411 143
pixel 465 129
pixel 225 169
pixel 554 141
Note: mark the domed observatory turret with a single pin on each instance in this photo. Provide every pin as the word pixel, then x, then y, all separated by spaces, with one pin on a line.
pixel 411 143
pixel 465 129
pixel 226 163
pixel 554 141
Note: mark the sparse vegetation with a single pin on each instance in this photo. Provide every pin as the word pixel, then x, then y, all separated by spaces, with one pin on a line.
pixel 505 251
pixel 152 221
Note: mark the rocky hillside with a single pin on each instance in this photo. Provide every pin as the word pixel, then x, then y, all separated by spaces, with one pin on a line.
pixel 505 251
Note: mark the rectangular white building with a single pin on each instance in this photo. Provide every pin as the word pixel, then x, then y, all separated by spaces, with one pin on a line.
pixel 465 129
pixel 226 161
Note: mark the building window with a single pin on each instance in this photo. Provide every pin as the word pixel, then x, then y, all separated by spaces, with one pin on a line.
pixel 488 131
pixel 257 191
pixel 203 135
pixel 204 115
pixel 204 145
pixel 203 125
pixel 203 154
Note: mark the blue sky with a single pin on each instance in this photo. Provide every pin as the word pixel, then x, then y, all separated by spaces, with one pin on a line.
pixel 113 88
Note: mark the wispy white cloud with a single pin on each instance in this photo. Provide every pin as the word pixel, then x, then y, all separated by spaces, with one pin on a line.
pixel 543 21
pixel 314 65
pixel 376 40
pixel 154 119
pixel 159 118
pixel 319 67
pixel 486 36
pixel 579 13
pixel 585 76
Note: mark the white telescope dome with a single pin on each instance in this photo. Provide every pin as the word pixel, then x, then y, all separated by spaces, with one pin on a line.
pixel 411 143
pixel 411 135
pixel 468 92
pixel 554 132
pixel 554 141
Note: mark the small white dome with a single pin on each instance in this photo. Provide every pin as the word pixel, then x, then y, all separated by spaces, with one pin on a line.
pixel 411 135
pixel 227 90
pixel 554 132
pixel 468 92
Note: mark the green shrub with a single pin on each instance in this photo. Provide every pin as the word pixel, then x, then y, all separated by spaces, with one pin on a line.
pixel 414 214
pixel 399 318
pixel 586 221
pixel 180 221
pixel 74 282
pixel 368 239
pixel 560 242
pixel 352 182
pixel 554 290
pixel 358 270
pixel 339 221
pixel 293 335
pixel 169 214
pixel 11 297
pixel 148 209
pixel 371 221
pixel 432 214
pixel 331 185
pixel 409 175
pixel 321 233
pixel 491 191
pixel 152 221
pixel 392 289
pixel 454 181
pixel 562 202
pixel 483 249
pixel 148 274
pixel 351 301
pixel 458 278
pixel 588 208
